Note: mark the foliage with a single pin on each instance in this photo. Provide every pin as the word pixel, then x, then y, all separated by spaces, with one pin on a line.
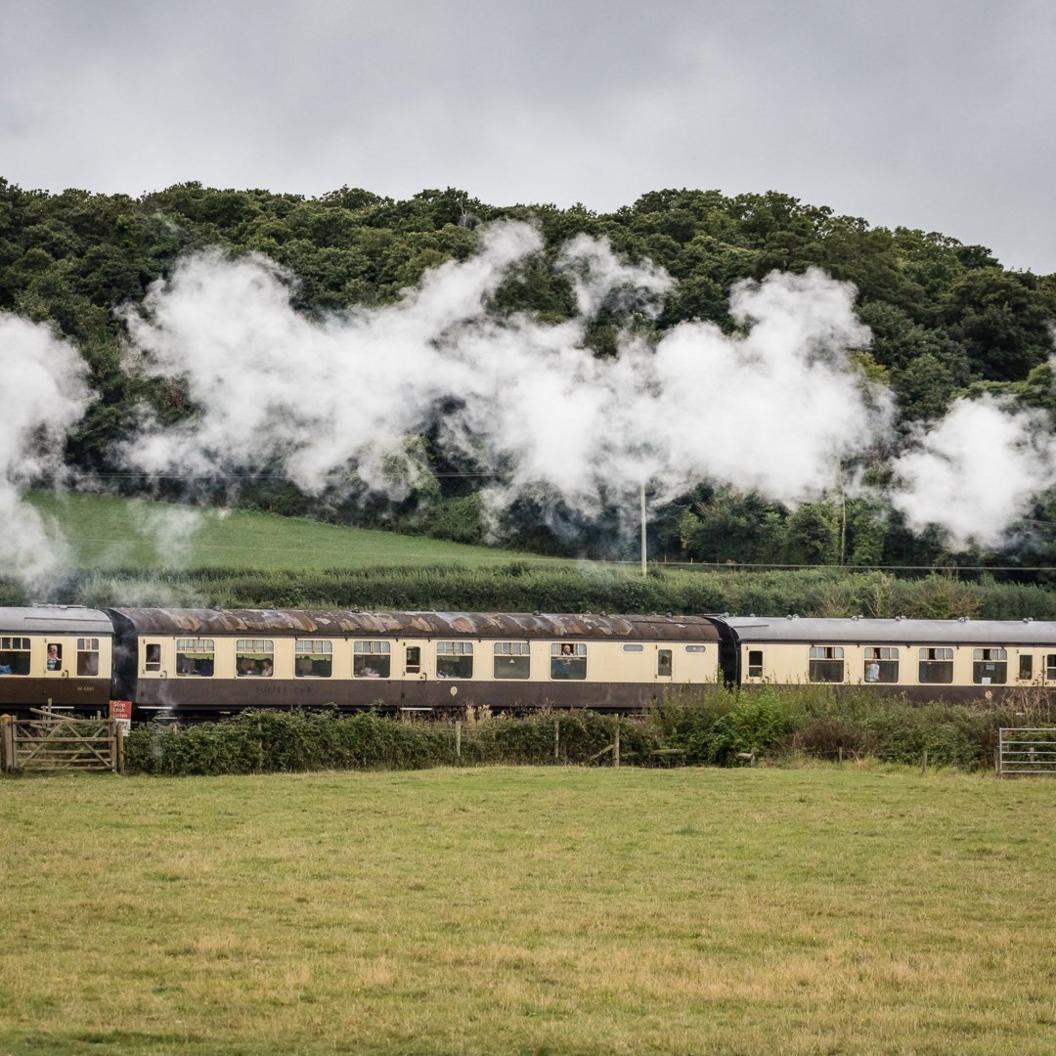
pixel 946 319
pixel 707 726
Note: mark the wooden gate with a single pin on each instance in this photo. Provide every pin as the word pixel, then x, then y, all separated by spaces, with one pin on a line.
pixel 52 743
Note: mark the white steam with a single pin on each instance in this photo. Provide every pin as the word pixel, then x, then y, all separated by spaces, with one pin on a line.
pixel 43 393
pixel 774 408
pixel 976 471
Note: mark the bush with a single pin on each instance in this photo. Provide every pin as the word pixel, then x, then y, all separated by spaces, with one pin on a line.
pixel 714 726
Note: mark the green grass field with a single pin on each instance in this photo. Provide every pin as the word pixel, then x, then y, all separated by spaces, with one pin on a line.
pixel 813 910
pixel 109 532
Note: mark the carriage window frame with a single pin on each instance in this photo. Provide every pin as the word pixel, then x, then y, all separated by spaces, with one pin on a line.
pixel 512 660
pixel 1050 667
pixel 319 654
pixel 663 655
pixel 412 659
pixel 371 658
pixel 15 652
pixel 88 657
pixel 185 650
pixel 454 660
pixel 696 648
pixel 1026 667
pixel 886 658
pixel 825 662
pixel 152 656
pixel 570 666
pixel 935 665
pixel 755 663
pixel 254 651
pixel 990 666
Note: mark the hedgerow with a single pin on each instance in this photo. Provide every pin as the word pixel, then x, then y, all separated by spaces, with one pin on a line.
pixel 570 588
pixel 714 726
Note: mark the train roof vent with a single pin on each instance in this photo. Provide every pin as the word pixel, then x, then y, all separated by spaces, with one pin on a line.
pixel 962 619
pixel 857 616
pixel 1028 619
pixel 900 617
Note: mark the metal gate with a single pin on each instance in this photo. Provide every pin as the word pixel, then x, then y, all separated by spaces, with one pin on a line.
pixel 52 743
pixel 1026 750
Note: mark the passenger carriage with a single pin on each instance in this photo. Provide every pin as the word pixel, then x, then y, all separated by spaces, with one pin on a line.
pixel 922 659
pixel 197 661
pixel 55 655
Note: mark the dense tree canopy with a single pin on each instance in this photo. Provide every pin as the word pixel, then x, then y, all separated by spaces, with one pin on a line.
pixel 946 317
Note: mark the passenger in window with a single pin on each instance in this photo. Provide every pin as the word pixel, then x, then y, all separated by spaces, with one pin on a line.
pixel 872 671
pixel 567 650
pixel 54 658
pixel 249 667
pixel 267 669
pixel 5 669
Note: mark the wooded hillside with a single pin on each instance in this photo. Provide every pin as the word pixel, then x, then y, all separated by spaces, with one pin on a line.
pixel 946 318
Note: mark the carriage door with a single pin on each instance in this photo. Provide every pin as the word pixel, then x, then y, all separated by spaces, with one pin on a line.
pixel 57 658
pixel 664 665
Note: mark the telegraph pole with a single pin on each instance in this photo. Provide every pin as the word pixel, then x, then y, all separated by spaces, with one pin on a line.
pixel 641 496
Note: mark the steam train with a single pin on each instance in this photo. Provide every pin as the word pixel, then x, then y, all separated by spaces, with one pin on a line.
pixel 196 663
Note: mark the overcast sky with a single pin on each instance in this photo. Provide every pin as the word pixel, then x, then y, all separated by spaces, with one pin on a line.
pixel 936 115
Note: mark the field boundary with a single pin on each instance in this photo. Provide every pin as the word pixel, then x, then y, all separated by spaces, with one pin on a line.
pixel 53 743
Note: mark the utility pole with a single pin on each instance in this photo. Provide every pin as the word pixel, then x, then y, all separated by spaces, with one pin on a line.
pixel 641 496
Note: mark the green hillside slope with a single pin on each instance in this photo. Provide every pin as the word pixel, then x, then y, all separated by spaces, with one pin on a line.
pixel 107 532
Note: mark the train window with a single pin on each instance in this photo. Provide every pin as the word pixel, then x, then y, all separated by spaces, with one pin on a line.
pixel 755 663
pixel 568 660
pixel 413 660
pixel 1026 667
pixel 1050 668
pixel 371 659
pixel 195 656
pixel 53 662
pixel 254 657
pixel 936 665
pixel 696 648
pixel 881 663
pixel 663 663
pixel 826 663
pixel 313 658
pixel 88 657
pixel 14 656
pixel 454 659
pixel 512 660
pixel 990 667
pixel 634 648
pixel 152 657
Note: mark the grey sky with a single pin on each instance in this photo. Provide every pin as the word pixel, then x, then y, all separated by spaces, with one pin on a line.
pixel 936 115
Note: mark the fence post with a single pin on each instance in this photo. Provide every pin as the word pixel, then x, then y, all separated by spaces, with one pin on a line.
pixel 557 740
pixel 458 741
pixel 616 744
pixel 7 725
pixel 924 762
pixel 119 747
pixel 839 759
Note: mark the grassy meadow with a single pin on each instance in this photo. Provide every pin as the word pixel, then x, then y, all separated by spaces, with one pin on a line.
pixel 528 910
pixel 107 532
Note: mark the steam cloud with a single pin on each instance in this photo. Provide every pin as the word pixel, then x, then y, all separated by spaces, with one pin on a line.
pixel 45 392
pixel 976 471
pixel 774 409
